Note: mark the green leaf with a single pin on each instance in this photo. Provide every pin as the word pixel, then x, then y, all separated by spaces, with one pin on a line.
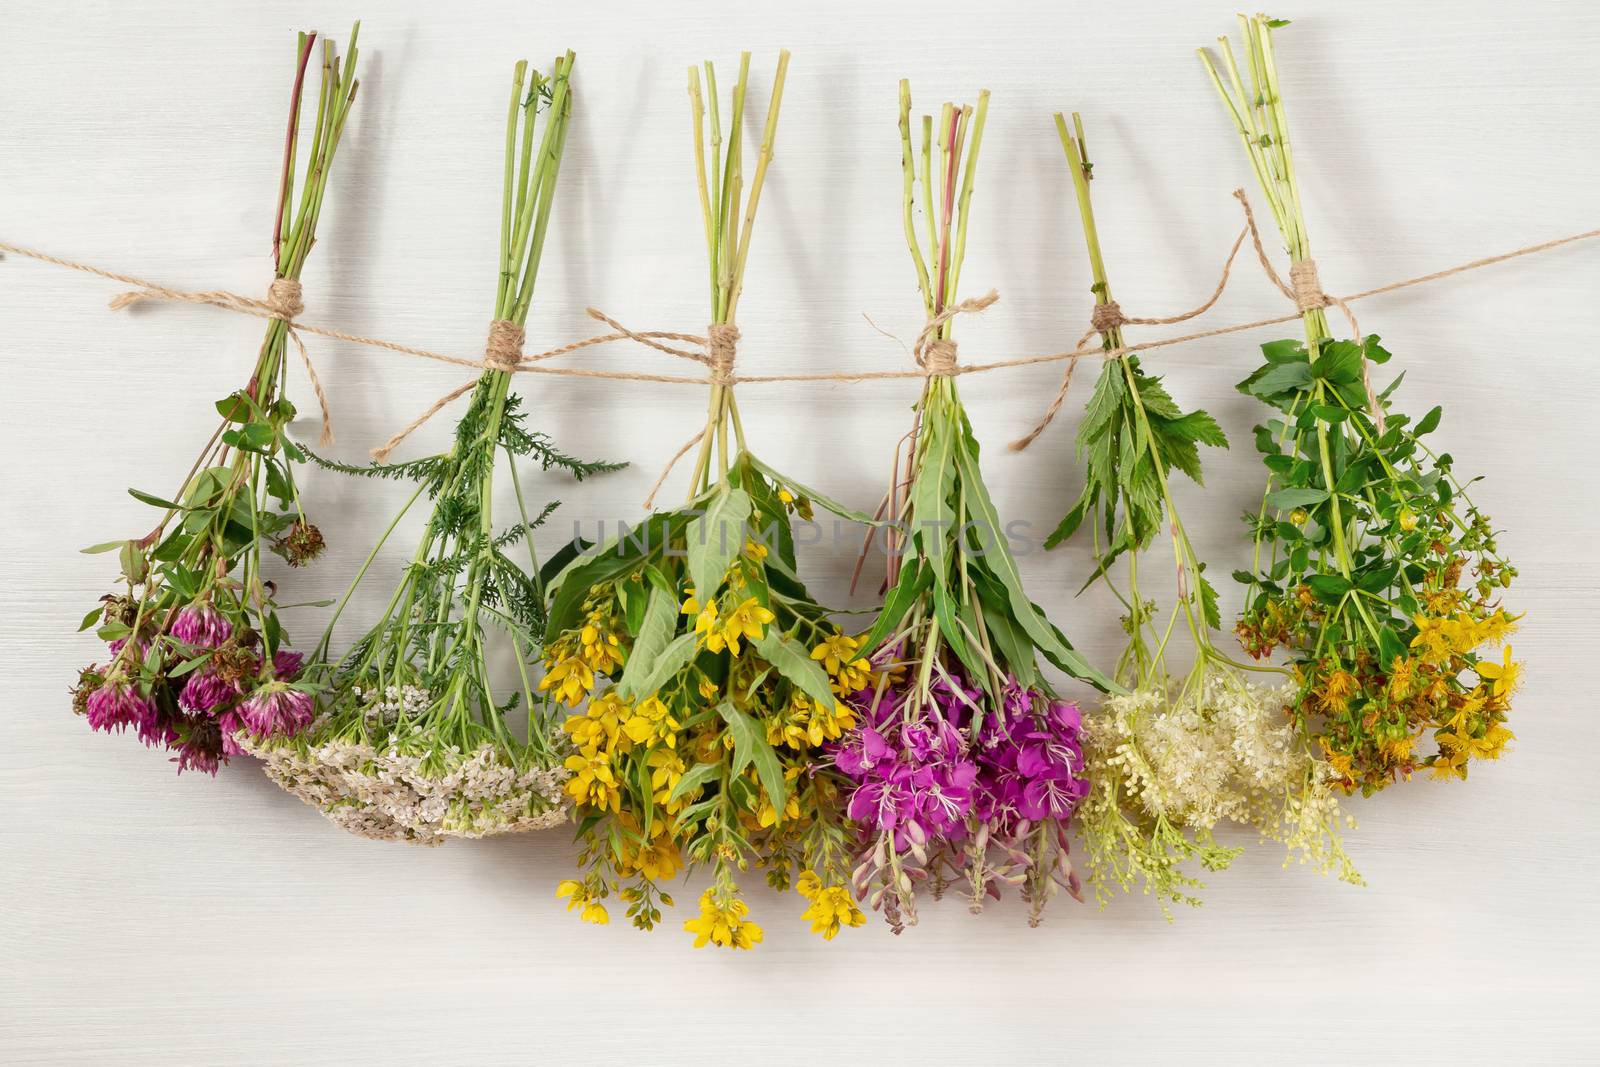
pixel 1429 422
pixel 1329 587
pixel 798 490
pixel 1281 378
pixel 154 501
pixel 750 746
pixel 1285 351
pixel 1295 497
pixel 716 537
pixel 656 631
pixel 930 513
pixel 103 546
pixel 693 779
pixel 619 556
pixel 1197 426
pixel 1339 362
pixel 644 676
pixel 914 581
pixel 1208 604
pixel 1070 521
pixel 795 663
pixel 1000 563
pixel 91 618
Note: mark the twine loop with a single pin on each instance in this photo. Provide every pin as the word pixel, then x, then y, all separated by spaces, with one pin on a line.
pixel 286 298
pixel 1306 286
pixel 1106 317
pixel 503 351
pixel 939 358
pixel 722 343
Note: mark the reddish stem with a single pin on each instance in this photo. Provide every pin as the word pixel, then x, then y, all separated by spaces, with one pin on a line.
pixel 288 144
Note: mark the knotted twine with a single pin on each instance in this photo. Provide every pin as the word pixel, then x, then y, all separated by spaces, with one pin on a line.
pixel 278 307
pixel 722 347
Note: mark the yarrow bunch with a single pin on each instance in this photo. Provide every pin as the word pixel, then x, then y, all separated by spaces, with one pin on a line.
pixel 1372 566
pixel 705 681
pixel 198 657
pixel 1171 760
pixel 411 742
pixel 966 768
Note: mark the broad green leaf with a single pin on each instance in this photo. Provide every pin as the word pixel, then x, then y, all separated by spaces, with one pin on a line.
pixel 645 676
pixel 91 618
pixel 1295 497
pixel 827 503
pixel 1329 586
pixel 693 779
pixel 716 537
pixel 1000 563
pixel 750 746
pixel 1429 422
pixel 795 663
pixel 656 631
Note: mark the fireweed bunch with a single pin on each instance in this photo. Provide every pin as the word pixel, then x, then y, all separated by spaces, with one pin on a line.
pixel 966 768
pixel 705 682
pixel 1372 568
pixel 411 742
pixel 198 658
pixel 1172 759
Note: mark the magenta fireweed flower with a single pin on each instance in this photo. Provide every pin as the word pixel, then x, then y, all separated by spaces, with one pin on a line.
pixel 201 625
pixel 276 709
pixel 963 784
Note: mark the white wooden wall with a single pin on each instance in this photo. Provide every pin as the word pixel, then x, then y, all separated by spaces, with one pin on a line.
pixel 151 920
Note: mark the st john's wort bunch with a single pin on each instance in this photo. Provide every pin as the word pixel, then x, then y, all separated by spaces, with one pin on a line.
pixel 1372 567
pixel 1172 759
pixel 965 767
pixel 412 743
pixel 704 679
pixel 198 657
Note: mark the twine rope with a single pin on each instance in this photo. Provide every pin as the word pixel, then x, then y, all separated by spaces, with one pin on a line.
pixel 932 361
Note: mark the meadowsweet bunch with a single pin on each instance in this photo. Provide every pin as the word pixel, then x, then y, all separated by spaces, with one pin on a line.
pixel 411 742
pixel 198 657
pixel 705 682
pixel 966 768
pixel 1172 759
pixel 1372 569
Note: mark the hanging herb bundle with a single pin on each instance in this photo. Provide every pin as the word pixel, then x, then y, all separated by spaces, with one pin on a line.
pixel 711 677
pixel 412 742
pixel 1171 759
pixel 965 766
pixel 199 656
pixel 1372 567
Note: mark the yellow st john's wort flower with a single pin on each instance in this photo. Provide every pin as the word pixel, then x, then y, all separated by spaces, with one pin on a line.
pixel 748 621
pixel 651 723
pixel 723 925
pixel 593 783
pixel 1434 640
pixel 1502 675
pixel 578 896
pixel 571 678
pixel 832 907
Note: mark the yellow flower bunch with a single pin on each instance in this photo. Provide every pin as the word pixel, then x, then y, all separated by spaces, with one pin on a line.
pixel 722 922
pixel 832 906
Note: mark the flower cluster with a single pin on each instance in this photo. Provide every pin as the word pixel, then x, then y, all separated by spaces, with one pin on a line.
pixel 199 658
pixel 716 758
pixel 958 788
pixel 407 788
pixel 1374 570
pixel 1167 773
pixel 196 682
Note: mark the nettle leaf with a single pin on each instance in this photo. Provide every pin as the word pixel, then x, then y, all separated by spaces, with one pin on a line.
pixel 1209 604
pixel 1199 427
pixel 716 537
pixel 750 746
